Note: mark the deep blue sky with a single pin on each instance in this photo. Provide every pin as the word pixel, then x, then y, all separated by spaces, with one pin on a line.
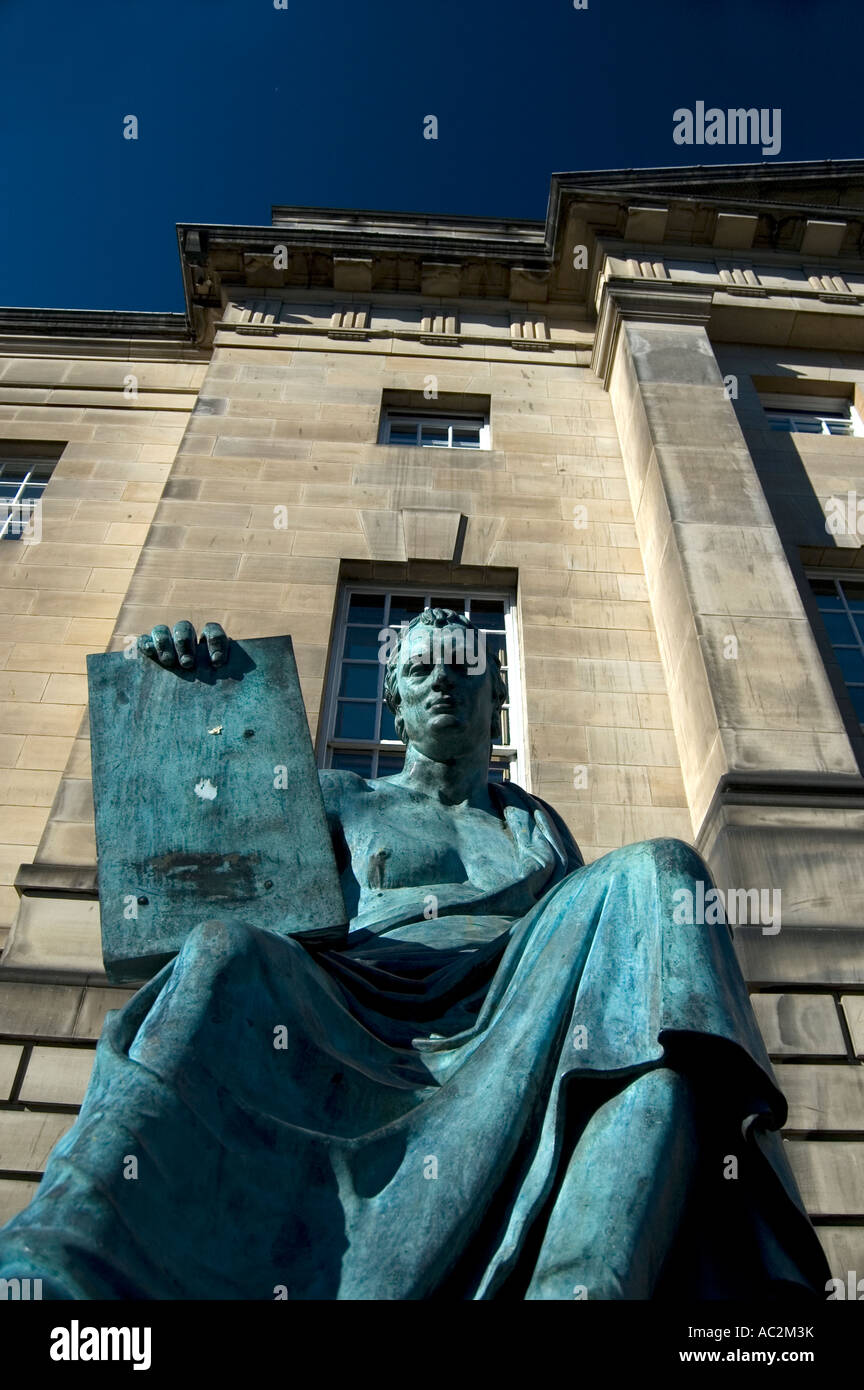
pixel 241 106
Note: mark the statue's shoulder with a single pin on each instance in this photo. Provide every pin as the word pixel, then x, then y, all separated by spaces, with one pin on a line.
pixel 341 789
pixel 337 783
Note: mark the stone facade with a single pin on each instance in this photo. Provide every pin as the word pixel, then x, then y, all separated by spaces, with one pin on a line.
pixel 633 500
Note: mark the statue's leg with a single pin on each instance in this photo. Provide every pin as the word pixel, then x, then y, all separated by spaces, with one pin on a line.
pixel 619 1207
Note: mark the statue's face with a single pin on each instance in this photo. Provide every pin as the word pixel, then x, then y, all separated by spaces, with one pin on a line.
pixel 446 701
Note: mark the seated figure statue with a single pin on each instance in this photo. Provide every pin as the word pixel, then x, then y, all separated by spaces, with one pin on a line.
pixel 520 1077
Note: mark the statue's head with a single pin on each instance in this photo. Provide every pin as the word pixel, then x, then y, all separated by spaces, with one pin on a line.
pixel 445 690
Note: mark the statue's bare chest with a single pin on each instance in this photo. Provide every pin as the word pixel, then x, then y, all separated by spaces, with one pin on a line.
pixel 399 841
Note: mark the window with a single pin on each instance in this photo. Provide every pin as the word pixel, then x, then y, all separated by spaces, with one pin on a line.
pixel 360 734
pixel 434 431
pixel 22 483
pixel 810 423
pixel 795 414
pixel 841 607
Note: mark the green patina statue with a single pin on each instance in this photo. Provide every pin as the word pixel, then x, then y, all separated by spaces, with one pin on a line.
pixel 519 1077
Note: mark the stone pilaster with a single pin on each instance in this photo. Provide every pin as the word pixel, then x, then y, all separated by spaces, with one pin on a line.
pixel 761 740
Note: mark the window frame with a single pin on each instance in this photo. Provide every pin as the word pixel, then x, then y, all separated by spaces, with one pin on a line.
pixel 514 751
pixel 391 415
pixel 784 413
pixel 30 466
pixel 841 577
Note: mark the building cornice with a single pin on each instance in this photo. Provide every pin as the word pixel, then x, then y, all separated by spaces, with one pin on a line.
pixel 96 323
pixel 120 333
pixel 814 210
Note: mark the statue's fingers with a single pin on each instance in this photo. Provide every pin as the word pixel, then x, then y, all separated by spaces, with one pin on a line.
pixel 164 644
pixel 146 646
pixel 217 642
pixel 184 643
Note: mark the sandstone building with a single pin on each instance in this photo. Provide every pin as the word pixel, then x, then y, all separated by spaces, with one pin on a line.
pixel 629 439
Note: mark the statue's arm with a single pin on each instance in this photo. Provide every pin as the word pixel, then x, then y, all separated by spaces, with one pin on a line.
pixel 336 791
pixel 340 790
pixel 574 854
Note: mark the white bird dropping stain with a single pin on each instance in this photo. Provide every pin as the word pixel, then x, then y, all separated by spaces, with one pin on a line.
pixel 205 789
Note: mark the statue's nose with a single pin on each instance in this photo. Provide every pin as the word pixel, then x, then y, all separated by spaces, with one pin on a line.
pixel 442 676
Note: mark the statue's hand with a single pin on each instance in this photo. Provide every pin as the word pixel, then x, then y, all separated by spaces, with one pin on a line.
pixel 179 645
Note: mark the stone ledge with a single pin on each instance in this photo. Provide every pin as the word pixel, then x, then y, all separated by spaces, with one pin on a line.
pixel 96 323
pixel 51 975
pixel 801 958
pixel 816 789
pixel 57 880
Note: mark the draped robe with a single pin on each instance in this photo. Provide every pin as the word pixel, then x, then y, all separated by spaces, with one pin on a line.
pixel 400 1118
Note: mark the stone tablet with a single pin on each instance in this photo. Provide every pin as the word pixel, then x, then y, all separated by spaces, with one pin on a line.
pixel 207 803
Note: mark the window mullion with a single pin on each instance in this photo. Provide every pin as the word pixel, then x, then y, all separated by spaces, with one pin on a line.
pixel 13 503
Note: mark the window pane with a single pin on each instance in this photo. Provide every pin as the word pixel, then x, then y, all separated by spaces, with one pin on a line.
pixel 361 763
pixel 390 763
pixel 403 434
pixel 355 720
pixel 851 663
pixel 457 604
pixel 857 693
pixel 823 588
pixel 388 726
pixel 496 643
pixel 466 437
pixel 505 727
pixel 360 681
pixel 855 597
pixel 366 608
pixel 404 607
pixel 436 436
pixel 805 426
pixel 838 627
pixel 488 613
pixel 361 643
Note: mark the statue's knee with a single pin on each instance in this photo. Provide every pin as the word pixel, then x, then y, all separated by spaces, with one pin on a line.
pixel 669 855
pixel 220 937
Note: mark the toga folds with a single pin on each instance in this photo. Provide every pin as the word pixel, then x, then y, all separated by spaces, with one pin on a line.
pixel 400 1118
